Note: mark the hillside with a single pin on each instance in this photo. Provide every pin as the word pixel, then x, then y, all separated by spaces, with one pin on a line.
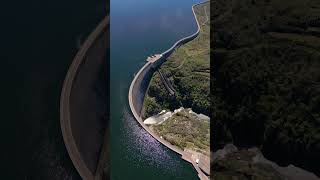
pixel 266 81
pixel 186 130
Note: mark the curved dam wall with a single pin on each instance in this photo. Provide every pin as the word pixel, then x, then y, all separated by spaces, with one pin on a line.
pixel 141 80
pixel 88 101
pixel 83 105
pixel 140 84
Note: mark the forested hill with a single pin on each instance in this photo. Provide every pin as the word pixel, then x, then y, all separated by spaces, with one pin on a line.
pixel 266 78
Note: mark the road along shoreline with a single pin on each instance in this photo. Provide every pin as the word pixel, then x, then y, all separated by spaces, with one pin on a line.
pixel 84 54
pixel 139 85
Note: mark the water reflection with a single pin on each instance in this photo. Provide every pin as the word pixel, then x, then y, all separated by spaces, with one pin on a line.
pixel 150 151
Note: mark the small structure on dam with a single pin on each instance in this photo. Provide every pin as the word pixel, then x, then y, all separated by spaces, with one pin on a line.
pixel 154 58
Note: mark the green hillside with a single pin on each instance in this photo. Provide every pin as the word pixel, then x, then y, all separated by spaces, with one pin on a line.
pixel 266 80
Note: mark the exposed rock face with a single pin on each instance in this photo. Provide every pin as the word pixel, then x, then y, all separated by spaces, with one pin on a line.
pixel 164 115
pixel 245 164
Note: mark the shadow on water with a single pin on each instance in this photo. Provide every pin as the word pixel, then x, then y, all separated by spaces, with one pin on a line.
pixel 40 39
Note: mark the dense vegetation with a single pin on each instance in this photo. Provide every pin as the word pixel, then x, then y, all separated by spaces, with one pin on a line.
pixel 266 78
pixel 185 130
pixel 188 69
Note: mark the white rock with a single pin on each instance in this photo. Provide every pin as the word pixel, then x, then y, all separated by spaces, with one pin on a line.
pixel 150 120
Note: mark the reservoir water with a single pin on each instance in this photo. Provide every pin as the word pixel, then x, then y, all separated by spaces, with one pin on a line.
pixel 139 29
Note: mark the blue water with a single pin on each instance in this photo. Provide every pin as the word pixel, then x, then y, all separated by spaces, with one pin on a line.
pixel 140 28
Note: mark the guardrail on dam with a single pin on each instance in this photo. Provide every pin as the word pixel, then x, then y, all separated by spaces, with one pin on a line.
pixel 81 109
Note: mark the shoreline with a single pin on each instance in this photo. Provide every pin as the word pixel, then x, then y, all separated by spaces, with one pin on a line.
pixel 137 115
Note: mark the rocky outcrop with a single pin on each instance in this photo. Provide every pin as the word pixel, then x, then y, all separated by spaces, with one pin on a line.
pixel 245 164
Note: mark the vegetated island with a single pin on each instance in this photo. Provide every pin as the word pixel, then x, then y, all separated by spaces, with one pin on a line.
pixel 180 116
pixel 266 84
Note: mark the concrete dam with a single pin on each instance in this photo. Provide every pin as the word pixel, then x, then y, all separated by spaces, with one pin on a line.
pixel 140 84
pixel 84 106
pixel 142 78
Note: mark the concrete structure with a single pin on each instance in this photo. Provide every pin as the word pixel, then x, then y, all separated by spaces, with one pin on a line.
pixel 82 116
pixel 139 86
pixel 202 161
pixel 154 58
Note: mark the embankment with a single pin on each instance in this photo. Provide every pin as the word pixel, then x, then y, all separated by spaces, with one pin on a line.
pixel 83 105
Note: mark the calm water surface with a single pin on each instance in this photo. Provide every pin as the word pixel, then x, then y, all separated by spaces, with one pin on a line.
pixel 138 29
pixel 39 41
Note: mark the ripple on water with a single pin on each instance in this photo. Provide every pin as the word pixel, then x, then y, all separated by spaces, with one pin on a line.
pixel 151 152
